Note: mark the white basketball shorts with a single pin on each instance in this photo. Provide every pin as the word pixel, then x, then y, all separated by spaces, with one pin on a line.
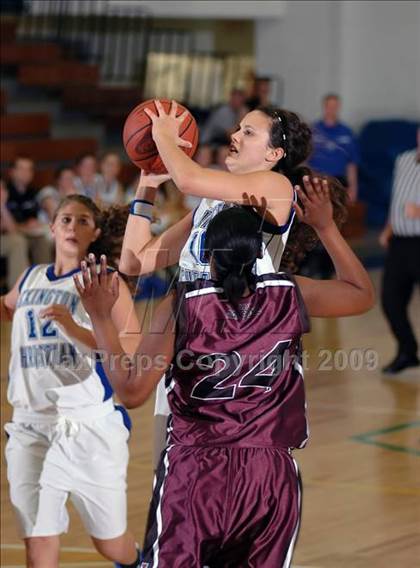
pixel 85 460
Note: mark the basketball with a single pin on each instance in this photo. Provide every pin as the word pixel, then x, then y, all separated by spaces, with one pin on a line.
pixel 138 141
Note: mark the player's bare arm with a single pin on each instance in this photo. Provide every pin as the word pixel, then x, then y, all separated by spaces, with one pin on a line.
pixel 143 253
pixel 9 301
pixel 352 291
pixel 192 179
pixel 132 384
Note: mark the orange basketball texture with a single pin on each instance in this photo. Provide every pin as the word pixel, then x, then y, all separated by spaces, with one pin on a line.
pixel 138 141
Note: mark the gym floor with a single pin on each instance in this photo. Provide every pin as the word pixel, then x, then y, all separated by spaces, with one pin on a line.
pixel 360 469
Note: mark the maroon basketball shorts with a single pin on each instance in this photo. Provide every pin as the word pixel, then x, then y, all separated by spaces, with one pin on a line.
pixel 223 508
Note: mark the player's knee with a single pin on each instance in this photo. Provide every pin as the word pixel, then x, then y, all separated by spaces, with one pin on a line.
pixel 113 548
pixel 42 551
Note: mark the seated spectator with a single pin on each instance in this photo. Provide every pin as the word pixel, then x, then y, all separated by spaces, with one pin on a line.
pixel 87 181
pixel 335 150
pixel 110 190
pixel 49 197
pixel 222 122
pixel 171 207
pixel 24 236
pixel 14 246
pixel 260 93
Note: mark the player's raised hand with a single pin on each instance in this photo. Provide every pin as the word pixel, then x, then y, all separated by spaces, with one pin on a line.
pixel 164 124
pixel 316 207
pixel 99 292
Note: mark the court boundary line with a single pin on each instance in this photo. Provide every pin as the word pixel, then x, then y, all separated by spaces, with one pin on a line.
pixel 368 438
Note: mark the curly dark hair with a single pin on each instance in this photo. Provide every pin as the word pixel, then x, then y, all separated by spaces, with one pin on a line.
pixel 289 132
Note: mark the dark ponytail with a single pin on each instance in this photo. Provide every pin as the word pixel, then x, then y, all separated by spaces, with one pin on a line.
pixel 289 132
pixel 233 243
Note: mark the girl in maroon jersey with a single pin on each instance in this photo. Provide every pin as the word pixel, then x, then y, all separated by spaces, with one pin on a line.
pixel 227 488
pixel 265 161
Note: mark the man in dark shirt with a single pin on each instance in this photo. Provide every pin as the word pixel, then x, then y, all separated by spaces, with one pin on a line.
pixel 260 95
pixel 22 233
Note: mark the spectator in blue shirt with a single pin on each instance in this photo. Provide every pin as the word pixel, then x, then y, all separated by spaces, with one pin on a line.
pixel 335 149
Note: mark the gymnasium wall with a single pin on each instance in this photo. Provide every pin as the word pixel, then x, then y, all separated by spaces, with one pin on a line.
pixel 380 59
pixel 367 51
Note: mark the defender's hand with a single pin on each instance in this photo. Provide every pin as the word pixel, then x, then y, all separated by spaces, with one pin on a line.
pixel 99 291
pixel 317 209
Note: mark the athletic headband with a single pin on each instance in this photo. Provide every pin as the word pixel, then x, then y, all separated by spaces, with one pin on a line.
pixel 276 115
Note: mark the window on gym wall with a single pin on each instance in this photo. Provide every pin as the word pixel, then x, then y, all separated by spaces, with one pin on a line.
pixel 199 80
pixel 199 62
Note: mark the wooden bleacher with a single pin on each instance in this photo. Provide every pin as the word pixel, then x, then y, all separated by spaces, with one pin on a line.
pixel 40 64
pixel 25 125
pixel 47 150
pixel 58 74
pixel 100 100
pixel 27 53
pixel 8 29
pixel 3 100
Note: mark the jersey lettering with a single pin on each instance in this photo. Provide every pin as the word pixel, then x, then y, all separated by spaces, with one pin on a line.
pixel 46 329
pixel 197 245
pixel 267 369
pixel 210 387
pixel 261 375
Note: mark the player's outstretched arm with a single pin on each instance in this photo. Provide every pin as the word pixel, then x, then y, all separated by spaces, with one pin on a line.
pixel 143 253
pixel 9 301
pixel 352 292
pixel 192 179
pixel 133 378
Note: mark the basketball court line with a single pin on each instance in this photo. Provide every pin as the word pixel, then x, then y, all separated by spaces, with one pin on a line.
pixel 369 438
pixel 62 548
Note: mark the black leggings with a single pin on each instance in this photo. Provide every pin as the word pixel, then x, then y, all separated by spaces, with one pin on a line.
pixel 401 274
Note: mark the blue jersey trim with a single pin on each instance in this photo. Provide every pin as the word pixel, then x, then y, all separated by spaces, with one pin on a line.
pixel 268 227
pixel 104 379
pixel 125 416
pixel 52 277
pixel 25 276
pixel 195 211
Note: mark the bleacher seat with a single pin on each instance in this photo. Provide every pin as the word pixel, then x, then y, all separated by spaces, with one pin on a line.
pixel 47 150
pixel 25 125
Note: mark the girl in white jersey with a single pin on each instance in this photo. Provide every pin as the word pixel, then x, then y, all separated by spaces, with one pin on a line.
pixel 66 437
pixel 264 161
